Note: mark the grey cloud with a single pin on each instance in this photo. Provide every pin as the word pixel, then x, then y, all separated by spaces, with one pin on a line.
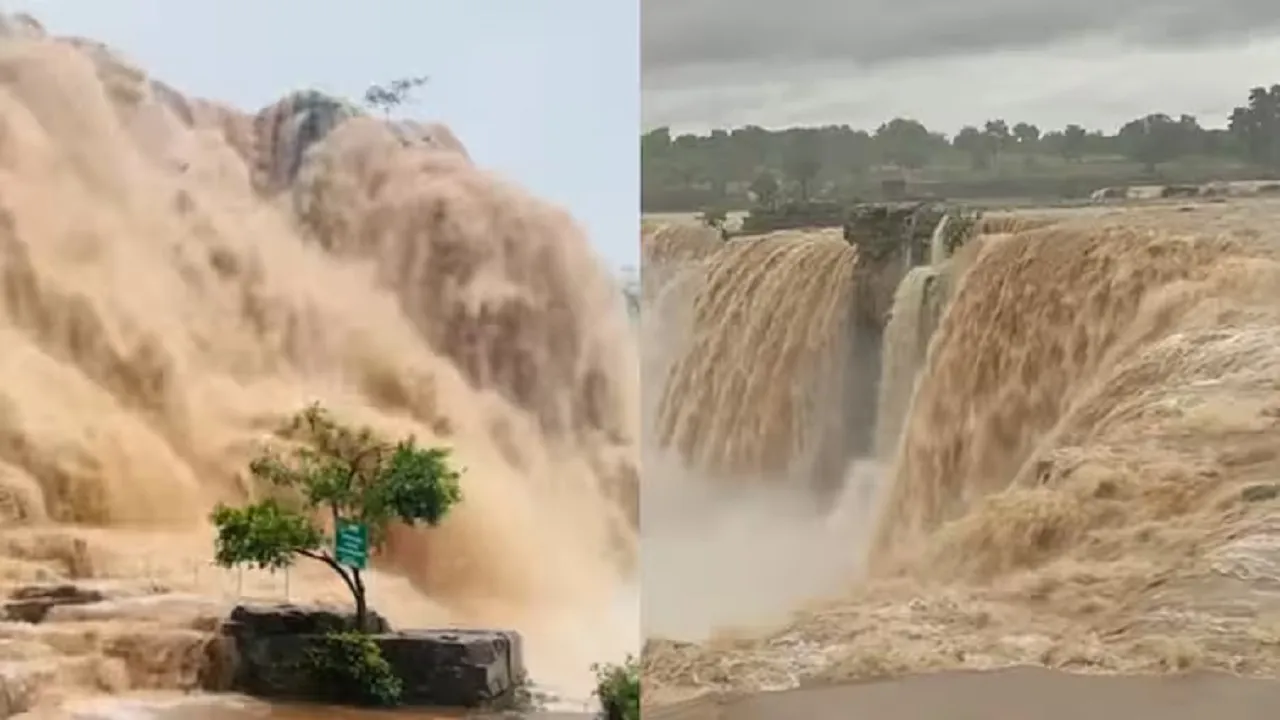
pixel 683 35
pixel 1097 84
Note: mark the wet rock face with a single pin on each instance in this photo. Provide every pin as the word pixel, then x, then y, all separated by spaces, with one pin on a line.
pixel 290 127
pixel 881 230
pixel 265 652
pixel 456 668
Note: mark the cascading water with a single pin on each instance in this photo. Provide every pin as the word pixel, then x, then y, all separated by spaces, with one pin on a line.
pixel 1079 464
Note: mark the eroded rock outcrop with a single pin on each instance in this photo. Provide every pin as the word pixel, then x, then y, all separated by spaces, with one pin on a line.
pixel 266 650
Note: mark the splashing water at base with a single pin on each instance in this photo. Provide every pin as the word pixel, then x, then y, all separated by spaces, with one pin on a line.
pixel 176 277
pixel 715 560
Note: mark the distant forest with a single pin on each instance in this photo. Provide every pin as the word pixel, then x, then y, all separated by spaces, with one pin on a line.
pixel 998 159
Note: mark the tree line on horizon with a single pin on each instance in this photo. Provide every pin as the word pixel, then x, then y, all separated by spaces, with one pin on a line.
pixel 690 171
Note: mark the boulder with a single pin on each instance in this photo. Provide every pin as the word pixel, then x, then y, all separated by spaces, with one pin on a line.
pixel 1109 193
pixel 1179 191
pixel 272 620
pixel 33 602
pixel 265 649
pixel 455 667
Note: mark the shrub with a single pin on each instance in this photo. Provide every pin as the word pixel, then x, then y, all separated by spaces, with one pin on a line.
pixel 618 687
pixel 348 668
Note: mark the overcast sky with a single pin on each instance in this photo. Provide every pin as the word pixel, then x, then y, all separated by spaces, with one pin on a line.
pixel 947 63
pixel 544 92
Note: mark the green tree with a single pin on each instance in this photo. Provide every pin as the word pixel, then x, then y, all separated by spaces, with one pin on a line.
pixel 858 152
pixel 998 137
pixel 753 148
pixel 765 187
pixel 906 143
pixel 972 142
pixel 719 161
pixel 1026 135
pixel 1191 138
pixel 803 160
pixel 1074 139
pixel 656 142
pixel 324 472
pixel 1255 127
pixel 394 94
pixel 1155 139
pixel 716 169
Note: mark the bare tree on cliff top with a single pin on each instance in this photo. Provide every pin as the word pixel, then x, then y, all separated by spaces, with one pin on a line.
pixel 394 94
pixel 347 479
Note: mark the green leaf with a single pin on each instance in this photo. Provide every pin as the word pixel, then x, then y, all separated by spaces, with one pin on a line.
pixel 416 486
pixel 618 687
pixel 265 535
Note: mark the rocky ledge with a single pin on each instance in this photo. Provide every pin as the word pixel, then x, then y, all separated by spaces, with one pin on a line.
pixel 266 646
pixel 32 603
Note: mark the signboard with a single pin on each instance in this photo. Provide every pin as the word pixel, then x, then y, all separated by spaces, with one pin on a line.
pixel 351 544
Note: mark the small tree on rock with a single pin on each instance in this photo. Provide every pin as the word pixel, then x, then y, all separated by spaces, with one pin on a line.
pixel 393 94
pixel 716 219
pixel 330 472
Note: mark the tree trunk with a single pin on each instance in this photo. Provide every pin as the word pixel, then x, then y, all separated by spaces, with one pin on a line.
pixel 351 580
pixel 362 606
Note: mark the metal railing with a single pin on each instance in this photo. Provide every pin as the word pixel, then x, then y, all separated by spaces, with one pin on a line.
pixel 206 578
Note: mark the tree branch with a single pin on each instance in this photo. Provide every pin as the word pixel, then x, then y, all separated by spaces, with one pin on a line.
pixel 334 565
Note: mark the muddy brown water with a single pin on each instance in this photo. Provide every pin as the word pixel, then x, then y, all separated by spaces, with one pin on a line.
pixel 1023 693
pixel 1014 694
pixel 209 707
pixel 308 713
pixel 318 712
